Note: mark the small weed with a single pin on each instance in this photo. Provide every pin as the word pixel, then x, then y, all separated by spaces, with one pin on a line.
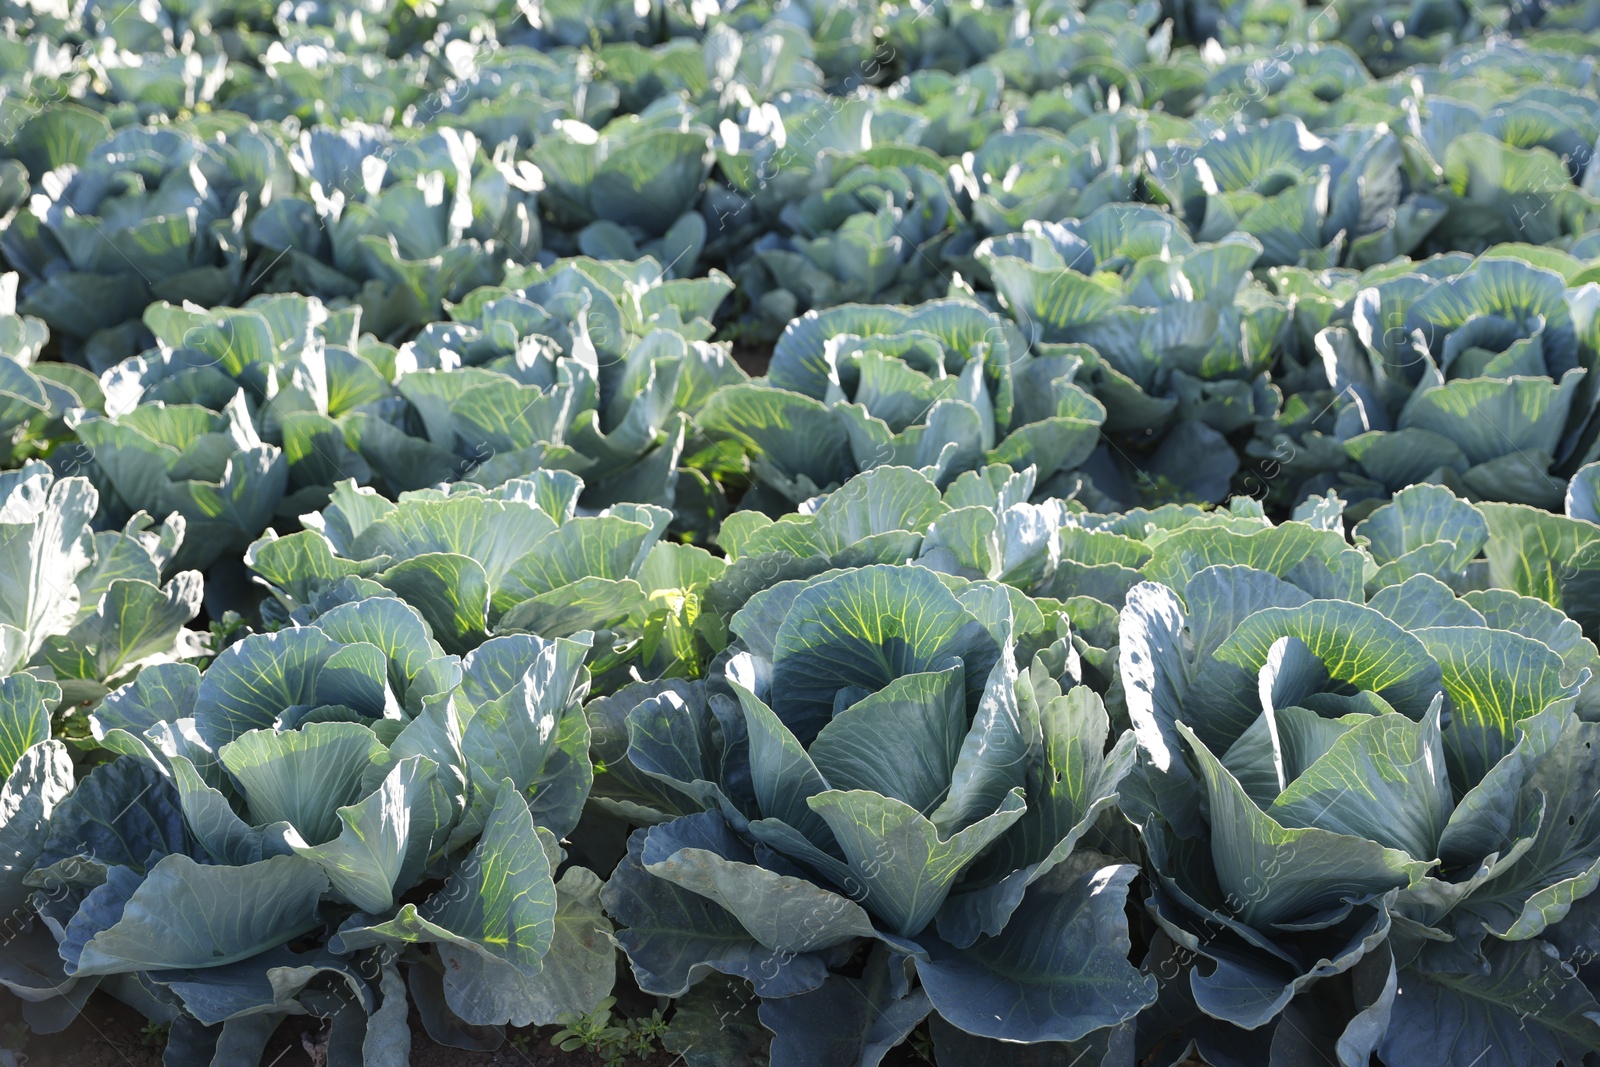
pixel 15 1037
pixel 612 1041
pixel 154 1035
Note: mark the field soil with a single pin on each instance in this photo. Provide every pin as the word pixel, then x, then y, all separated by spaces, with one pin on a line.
pixel 753 358
pixel 110 1034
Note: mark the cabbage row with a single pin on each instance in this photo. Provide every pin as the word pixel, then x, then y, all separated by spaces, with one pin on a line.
pixel 911 758
pixel 1197 216
pixel 1050 530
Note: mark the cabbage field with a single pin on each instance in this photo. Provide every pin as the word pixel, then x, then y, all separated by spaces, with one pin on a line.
pixel 809 533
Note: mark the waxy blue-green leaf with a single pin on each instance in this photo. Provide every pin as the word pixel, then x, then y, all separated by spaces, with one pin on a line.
pixel 303 777
pixel 621 782
pixel 796 442
pixel 25 707
pixel 902 741
pixel 868 509
pixel 1583 494
pixel 1384 779
pixel 1057 972
pixel 1494 680
pixel 217 827
pixel 1421 602
pixel 603 546
pixel 134 621
pixel 1422 515
pixel 1269 873
pixel 1356 645
pixel 450 591
pixel 1529 550
pixel 45 541
pixel 1317 560
pixel 392 626
pixel 263 984
pixel 1069 782
pixel 33 791
pixel 496 533
pixel 865 628
pixel 32 969
pixel 1491 418
pixel 252 682
pixel 907 891
pixel 675 938
pixel 386 838
pixel 1524 1007
pixel 853 1022
pixel 302 563
pixel 520 721
pixel 124 813
pixel 581 965
pixel 783 776
pixel 1561 866
pixel 992 758
pixel 783 912
pixel 1156 680
pixel 497 907
pixel 1529 616
pixel 188 914
pixel 678 738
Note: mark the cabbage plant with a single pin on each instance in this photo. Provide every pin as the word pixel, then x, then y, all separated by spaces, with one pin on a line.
pixel 963 108
pixel 588 366
pixel 795 168
pixel 159 86
pixel 396 223
pixel 1307 199
pixel 209 466
pixel 872 231
pixel 89 610
pixel 148 213
pixel 305 375
pixel 1510 142
pixel 1468 372
pixel 1180 337
pixel 984 526
pixel 517 559
pixel 945 386
pixel 251 853
pixel 1360 806
pixel 870 772
pixel 1030 175
pixel 36 394
pixel 322 78
pixel 639 172
pixel 516 92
